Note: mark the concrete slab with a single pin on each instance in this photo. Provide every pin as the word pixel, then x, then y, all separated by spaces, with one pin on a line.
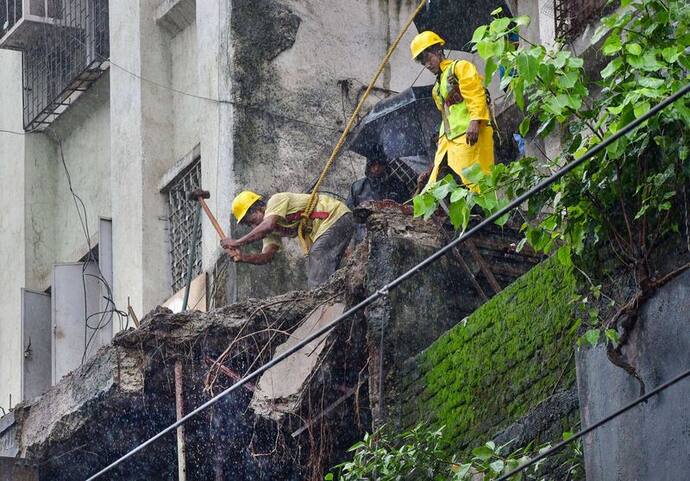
pixel 279 391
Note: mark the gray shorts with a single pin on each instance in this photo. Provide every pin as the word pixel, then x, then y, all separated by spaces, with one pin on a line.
pixel 327 251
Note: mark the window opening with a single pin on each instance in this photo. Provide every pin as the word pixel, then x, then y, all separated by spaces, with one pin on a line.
pixel 181 224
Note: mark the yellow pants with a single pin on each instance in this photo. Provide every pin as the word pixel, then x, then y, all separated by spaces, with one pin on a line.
pixel 462 155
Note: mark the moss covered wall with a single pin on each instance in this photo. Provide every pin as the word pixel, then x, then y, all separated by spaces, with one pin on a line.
pixel 491 369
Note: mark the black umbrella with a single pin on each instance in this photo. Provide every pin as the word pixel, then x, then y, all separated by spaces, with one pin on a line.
pixel 456 20
pixel 400 127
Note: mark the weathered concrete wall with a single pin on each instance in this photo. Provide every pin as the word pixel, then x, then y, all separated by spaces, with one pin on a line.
pixel 652 441
pixel 141 152
pixel 12 227
pixel 186 109
pixel 493 367
pixel 84 131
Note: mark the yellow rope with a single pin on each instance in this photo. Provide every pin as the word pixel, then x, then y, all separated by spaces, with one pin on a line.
pixel 303 228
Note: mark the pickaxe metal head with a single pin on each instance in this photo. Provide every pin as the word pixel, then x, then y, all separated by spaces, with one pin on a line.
pixel 198 194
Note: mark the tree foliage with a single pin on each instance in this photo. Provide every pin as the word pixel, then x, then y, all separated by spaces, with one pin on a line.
pixel 415 455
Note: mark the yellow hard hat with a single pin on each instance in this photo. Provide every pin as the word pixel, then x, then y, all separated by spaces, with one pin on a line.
pixel 243 202
pixel 423 41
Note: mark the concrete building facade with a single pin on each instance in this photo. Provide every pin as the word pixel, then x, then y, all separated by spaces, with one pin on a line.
pixel 252 94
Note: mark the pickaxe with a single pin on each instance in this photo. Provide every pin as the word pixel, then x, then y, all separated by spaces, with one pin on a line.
pixel 200 195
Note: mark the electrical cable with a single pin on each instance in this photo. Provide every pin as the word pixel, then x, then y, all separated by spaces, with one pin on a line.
pixel 594 426
pixel 104 319
pixel 4 131
pixel 383 291
pixel 203 97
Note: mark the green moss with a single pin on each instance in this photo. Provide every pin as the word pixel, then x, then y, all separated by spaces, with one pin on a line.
pixel 509 356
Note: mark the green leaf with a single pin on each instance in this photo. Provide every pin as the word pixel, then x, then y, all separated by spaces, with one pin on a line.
pixel 633 48
pixel 459 213
pixel 592 337
pixel 482 453
pixel 517 86
pixel 524 126
pixel 650 62
pixel 458 194
pixel 499 25
pixel 568 80
pixel 612 67
pixel 489 70
pixel 441 191
pixel 497 466
pixel 612 44
pixel 670 54
pixel 424 205
pixel 641 109
pixel 522 20
pixel 479 33
pixel 613 336
pixel 474 173
pixel 547 72
pixel 650 82
pixel 488 202
pixel 486 48
pixel 600 33
pixel 528 67
pixel 497 11
pixel 563 256
pixel 328 477
pixel 576 62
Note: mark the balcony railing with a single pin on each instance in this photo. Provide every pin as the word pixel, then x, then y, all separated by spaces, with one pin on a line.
pixel 572 16
pixel 65 46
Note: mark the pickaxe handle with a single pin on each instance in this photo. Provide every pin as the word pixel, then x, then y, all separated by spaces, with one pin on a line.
pixel 212 218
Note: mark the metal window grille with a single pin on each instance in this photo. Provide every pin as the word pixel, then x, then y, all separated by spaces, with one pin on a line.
pixel 404 173
pixel 10 13
pixel 66 56
pixel 182 223
pixel 572 16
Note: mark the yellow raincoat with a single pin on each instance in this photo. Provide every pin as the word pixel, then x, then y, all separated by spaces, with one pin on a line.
pixel 473 107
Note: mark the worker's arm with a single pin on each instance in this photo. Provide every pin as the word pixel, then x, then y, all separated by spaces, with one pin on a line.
pixel 264 257
pixel 257 233
pixel 472 89
pixel 437 99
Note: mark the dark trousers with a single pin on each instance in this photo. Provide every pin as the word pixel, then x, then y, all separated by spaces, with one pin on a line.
pixel 326 253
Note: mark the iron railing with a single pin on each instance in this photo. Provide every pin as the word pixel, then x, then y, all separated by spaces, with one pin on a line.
pixel 182 223
pixel 10 13
pixel 572 16
pixel 64 59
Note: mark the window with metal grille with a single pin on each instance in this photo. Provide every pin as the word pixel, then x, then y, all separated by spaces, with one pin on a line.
pixel 572 16
pixel 182 223
pixel 65 45
pixel 404 173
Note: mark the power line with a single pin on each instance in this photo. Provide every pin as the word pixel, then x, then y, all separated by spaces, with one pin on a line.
pixel 594 426
pixel 203 97
pixel 383 291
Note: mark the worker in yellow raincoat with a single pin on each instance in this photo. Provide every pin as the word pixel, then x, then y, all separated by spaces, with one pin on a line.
pixel 466 136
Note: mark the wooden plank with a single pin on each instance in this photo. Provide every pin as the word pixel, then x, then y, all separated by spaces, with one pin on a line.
pixel 486 270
